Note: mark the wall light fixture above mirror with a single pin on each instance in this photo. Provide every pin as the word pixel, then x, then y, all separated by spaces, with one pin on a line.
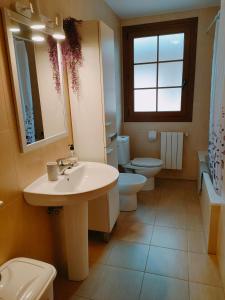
pixel 40 106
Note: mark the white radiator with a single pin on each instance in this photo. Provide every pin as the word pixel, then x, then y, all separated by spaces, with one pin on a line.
pixel 172 150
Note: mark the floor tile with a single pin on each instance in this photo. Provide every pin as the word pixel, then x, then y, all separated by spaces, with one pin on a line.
pixel 143 214
pixel 168 262
pixel 205 292
pixel 194 222
pixel 203 268
pixel 170 219
pixel 128 255
pixel 149 199
pixel 173 195
pixel 163 288
pixel 169 197
pixel 196 242
pixel 172 205
pixel 99 250
pixel 133 232
pixel 106 282
pixel 65 289
pixel 122 217
pixel 169 238
pixel 194 207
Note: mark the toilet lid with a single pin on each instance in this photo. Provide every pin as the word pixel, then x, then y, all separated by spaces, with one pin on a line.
pixel 24 278
pixel 147 162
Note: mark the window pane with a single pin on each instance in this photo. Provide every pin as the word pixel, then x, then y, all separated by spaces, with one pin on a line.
pixel 145 76
pixel 145 49
pixel 170 74
pixel 145 100
pixel 171 46
pixel 169 99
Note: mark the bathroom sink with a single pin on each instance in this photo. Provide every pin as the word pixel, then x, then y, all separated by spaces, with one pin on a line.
pixel 84 182
pixel 73 190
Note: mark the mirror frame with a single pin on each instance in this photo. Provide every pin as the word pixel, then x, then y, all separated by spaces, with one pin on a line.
pixel 11 15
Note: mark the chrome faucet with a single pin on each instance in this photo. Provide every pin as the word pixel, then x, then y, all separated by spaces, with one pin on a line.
pixel 66 163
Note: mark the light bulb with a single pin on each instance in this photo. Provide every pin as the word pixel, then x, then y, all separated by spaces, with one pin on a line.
pixel 39 38
pixel 14 29
pixel 59 36
pixel 13 26
pixel 36 21
pixel 58 31
pixel 37 26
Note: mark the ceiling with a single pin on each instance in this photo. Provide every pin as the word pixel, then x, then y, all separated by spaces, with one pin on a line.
pixel 137 8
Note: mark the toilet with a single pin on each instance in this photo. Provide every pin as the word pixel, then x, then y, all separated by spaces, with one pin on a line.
pixel 28 279
pixel 148 167
pixel 129 184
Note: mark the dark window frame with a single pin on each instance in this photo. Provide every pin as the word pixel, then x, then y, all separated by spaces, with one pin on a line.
pixel 187 26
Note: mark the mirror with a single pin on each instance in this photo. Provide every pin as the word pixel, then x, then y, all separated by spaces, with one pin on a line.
pixel 40 104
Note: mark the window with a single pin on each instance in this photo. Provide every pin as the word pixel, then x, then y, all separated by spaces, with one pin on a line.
pixel 159 71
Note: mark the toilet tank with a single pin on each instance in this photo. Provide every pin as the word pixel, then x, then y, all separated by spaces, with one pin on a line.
pixel 123 147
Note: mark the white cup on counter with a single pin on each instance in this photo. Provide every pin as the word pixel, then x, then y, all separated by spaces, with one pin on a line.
pixel 52 170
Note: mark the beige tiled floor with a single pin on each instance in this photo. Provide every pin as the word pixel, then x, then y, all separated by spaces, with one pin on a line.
pixel 168 262
pixel 157 252
pixel 159 287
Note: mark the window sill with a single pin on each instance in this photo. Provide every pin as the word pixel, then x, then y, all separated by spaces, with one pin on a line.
pixel 142 117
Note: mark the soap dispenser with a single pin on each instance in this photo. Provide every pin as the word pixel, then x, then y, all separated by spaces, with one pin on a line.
pixel 73 157
pixel 71 148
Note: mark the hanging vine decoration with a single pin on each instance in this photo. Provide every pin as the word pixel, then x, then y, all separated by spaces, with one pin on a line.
pixel 71 50
pixel 53 56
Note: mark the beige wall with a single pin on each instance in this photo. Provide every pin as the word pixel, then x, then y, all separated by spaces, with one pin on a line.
pixel 52 102
pixel 26 230
pixel 221 245
pixel 198 128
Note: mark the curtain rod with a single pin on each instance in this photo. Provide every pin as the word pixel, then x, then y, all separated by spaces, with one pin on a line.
pixel 213 22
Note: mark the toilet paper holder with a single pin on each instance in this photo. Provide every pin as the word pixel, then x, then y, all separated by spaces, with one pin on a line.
pixel 152 135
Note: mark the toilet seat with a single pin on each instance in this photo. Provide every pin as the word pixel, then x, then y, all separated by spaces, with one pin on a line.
pixel 147 162
pixel 146 166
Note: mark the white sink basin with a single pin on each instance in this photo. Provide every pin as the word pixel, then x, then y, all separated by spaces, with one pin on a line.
pixel 82 183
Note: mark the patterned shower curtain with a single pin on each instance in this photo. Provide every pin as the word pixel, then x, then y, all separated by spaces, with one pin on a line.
pixel 216 150
pixel 25 89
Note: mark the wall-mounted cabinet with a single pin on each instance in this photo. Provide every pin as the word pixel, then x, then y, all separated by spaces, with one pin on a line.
pixel 94 115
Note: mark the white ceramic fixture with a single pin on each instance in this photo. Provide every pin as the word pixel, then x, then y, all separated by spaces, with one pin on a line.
pixel 26 279
pixel 149 167
pixel 129 185
pixel 73 190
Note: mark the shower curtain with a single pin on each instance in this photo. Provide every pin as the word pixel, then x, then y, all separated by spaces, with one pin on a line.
pixel 216 148
pixel 25 89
